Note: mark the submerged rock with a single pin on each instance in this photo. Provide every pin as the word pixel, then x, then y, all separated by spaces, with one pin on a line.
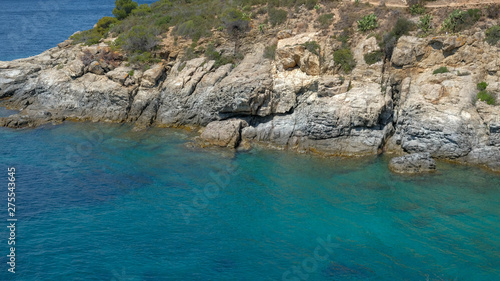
pixel 413 164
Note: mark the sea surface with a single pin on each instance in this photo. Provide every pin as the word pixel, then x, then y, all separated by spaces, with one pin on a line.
pixel 29 27
pixel 100 202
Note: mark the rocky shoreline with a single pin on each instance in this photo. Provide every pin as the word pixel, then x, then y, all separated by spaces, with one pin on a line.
pixel 296 102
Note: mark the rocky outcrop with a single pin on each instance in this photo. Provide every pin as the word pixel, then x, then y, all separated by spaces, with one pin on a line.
pixel 298 101
pixel 413 164
pixel 437 113
pixel 223 133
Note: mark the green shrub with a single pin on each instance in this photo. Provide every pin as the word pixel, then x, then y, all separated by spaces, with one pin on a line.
pixel 235 21
pixel 94 35
pixel 482 86
pixel 194 28
pixel 402 27
pixel 123 8
pixel 493 35
pixel 373 57
pixel 142 10
pixel 417 9
pixel 139 39
pixel 310 4
pixel 344 37
pixel 425 22
pixel 459 20
pixel 325 20
pixel 190 53
pixel 486 97
pixel 131 73
pixel 142 58
pixel 212 54
pixel 493 11
pixel 312 46
pixel 270 52
pixel 390 39
pixel 277 16
pixel 368 22
pixel 87 37
pixel 104 24
pixel 442 69
pixel 344 59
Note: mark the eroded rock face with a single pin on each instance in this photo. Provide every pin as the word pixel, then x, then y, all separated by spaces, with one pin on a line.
pixel 413 164
pixel 223 133
pixel 295 102
pixel 408 51
pixel 151 76
pixel 297 56
pixel 437 113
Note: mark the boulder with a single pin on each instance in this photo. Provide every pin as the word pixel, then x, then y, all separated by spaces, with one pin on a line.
pixel 95 68
pixel 408 50
pixel 225 133
pixel 413 164
pixel 119 74
pixel 152 75
pixel 291 56
pixel 75 68
pixel 65 44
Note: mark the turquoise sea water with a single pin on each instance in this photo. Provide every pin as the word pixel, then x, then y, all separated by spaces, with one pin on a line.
pixel 99 202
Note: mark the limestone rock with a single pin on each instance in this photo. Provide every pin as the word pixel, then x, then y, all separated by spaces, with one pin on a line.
pixel 95 67
pixel 152 75
pixel 119 74
pixel 292 56
pixel 65 44
pixel 413 164
pixel 289 57
pixel 75 68
pixel 407 51
pixel 223 133
pixel 292 103
pixel 309 63
pixel 488 156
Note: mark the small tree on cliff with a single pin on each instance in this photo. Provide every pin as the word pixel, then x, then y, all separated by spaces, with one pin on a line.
pixel 123 8
pixel 236 24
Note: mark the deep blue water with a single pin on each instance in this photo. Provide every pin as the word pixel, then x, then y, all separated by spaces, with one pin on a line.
pixel 29 27
pixel 99 202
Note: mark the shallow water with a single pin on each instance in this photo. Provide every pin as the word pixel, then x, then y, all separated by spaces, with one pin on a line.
pixel 99 202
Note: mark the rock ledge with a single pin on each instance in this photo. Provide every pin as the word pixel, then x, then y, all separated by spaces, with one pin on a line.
pixel 413 164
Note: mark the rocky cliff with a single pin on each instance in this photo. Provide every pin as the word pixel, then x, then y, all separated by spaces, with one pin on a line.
pixel 297 101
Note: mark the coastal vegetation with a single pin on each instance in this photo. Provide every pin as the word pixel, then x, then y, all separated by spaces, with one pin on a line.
pixel 460 20
pixel 493 35
pixel 368 22
pixel 484 95
pixel 389 40
pixel 344 59
pixel 442 69
pixel 373 57
pixel 138 31
pixel 424 23
pixel 417 9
